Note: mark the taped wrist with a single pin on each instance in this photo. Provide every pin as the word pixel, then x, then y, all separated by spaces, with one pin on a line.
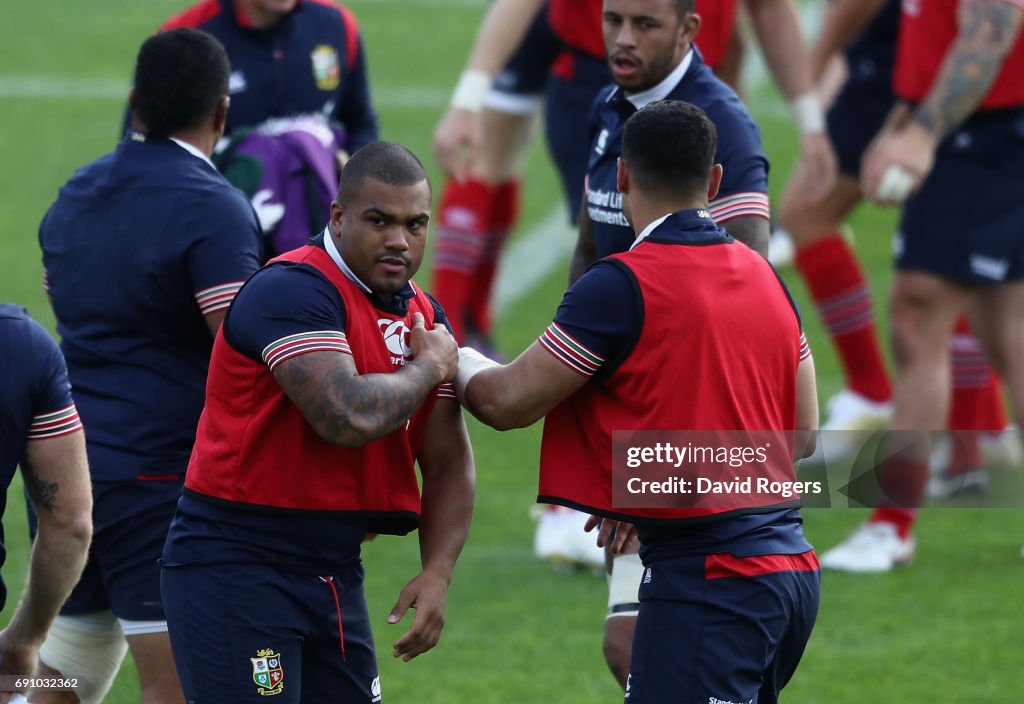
pixel 471 90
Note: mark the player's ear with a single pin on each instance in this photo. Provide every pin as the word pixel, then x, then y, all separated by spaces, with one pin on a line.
pixel 689 28
pixel 131 98
pixel 220 114
pixel 715 182
pixel 622 175
pixel 337 215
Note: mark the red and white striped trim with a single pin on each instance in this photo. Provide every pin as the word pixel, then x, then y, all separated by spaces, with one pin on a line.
pixel 218 297
pixel 447 391
pixel 302 343
pixel 740 204
pixel 54 424
pixel 805 347
pixel 848 312
pixel 570 351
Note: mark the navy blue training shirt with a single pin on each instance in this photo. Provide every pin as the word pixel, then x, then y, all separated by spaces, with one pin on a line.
pixel 744 189
pixel 35 397
pixel 312 62
pixel 140 245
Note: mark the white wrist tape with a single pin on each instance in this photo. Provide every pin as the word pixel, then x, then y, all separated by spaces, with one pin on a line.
pixel 895 185
pixel 471 90
pixel 89 648
pixel 624 585
pixel 808 113
pixel 471 363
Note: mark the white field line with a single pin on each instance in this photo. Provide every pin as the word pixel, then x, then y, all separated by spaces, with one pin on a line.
pixel 533 256
pixel 41 87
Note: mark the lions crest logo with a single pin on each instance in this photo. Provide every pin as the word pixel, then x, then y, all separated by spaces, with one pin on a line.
pixel 267 672
pixel 326 67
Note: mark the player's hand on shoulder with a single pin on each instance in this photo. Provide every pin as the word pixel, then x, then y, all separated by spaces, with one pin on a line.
pixel 435 348
pixel 456 140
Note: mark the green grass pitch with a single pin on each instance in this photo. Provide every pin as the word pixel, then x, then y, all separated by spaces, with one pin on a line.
pixel 945 629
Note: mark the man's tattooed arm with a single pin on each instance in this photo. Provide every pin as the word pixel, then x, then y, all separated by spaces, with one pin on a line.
pixel 62 539
pixel 349 409
pixel 42 493
pixel 988 31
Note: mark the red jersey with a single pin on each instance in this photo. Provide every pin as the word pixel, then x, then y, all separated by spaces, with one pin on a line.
pixel 928 29
pixel 579 24
pixel 717 23
pixel 718 350
pixel 254 446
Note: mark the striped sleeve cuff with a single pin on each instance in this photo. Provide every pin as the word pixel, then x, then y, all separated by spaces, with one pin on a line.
pixel 303 342
pixel 739 205
pixel 570 351
pixel 217 298
pixel 52 425
pixel 447 391
pixel 46 281
pixel 805 348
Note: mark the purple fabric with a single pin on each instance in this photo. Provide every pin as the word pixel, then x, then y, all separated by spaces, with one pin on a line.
pixel 298 178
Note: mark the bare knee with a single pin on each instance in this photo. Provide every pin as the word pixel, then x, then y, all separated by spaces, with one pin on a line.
pixel 808 221
pixel 922 312
pixel 618 646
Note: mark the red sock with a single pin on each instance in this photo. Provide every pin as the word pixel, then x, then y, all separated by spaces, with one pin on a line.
pixel 902 487
pixel 977 404
pixel 503 216
pixel 461 236
pixel 902 482
pixel 902 518
pixel 843 299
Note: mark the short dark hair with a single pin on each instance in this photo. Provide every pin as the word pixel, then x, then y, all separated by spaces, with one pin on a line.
pixel 180 77
pixel 669 147
pixel 684 6
pixel 387 162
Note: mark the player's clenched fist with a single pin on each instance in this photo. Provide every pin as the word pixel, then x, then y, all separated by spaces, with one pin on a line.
pixel 434 348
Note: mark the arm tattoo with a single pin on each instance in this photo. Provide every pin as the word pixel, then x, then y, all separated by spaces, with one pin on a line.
pixel 42 493
pixel 351 409
pixel 988 30
pixel 752 231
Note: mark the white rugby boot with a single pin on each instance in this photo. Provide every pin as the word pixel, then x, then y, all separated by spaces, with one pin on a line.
pixel 851 420
pixel 873 547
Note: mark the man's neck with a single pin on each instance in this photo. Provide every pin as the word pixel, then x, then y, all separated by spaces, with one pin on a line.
pixel 645 212
pixel 203 141
pixel 258 17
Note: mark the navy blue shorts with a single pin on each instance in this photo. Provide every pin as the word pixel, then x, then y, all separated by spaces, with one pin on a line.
pixel 526 73
pixel 566 116
pixel 853 120
pixel 130 522
pixel 967 221
pixel 722 628
pixel 243 632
